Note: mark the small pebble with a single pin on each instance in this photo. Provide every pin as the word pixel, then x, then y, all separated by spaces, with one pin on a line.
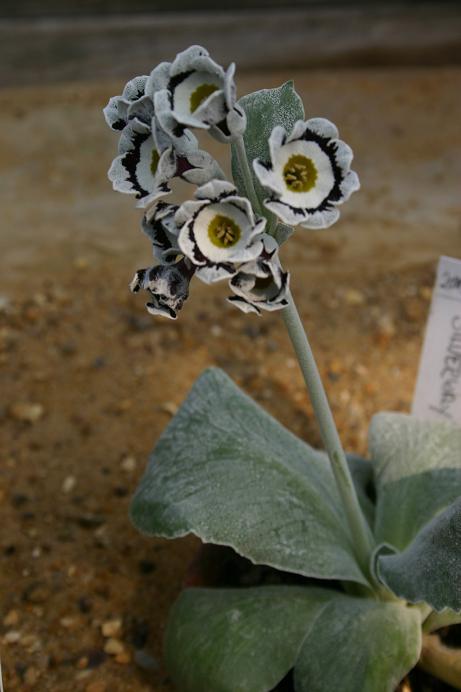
pixel 114 647
pixel 81 263
pixel 169 407
pixel 354 297
pixel 68 484
pixel 128 464
pixel 11 618
pixel 12 637
pixel 31 676
pixel 26 412
pixel 31 642
pixel 111 628
pixel 96 686
pixel 124 658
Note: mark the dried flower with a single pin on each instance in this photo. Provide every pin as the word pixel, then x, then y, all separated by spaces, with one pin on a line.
pixel 168 285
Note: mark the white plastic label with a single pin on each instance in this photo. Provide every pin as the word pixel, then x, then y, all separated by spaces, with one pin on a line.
pixel 438 387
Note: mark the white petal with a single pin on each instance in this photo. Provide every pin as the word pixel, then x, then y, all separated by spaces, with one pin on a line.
pixel 229 86
pixel 202 175
pixel 213 109
pixel 322 127
pixel 290 216
pixel 183 92
pixel 215 189
pixel 142 109
pixel 186 210
pixel 350 184
pixel 299 128
pixel 321 219
pixel 236 122
pixel 115 113
pixel 188 245
pixel 158 79
pixel 185 60
pixel 183 142
pixel 268 178
pixel 343 154
pixel 162 310
pixel 158 192
pixel 244 305
pixel 276 140
pixel 210 275
pixel 135 88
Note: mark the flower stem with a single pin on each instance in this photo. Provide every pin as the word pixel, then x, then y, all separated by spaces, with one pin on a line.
pixel 361 536
pixel 247 174
pixel 441 661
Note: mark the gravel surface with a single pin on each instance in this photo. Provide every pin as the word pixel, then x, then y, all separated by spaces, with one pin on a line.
pixel 89 380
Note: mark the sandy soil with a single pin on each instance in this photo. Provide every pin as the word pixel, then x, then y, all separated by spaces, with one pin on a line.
pixel 89 380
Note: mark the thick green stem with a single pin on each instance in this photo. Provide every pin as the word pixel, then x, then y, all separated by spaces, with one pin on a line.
pixel 361 536
pixel 441 661
pixel 247 175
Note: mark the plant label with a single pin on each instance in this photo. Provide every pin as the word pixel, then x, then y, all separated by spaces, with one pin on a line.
pixel 438 387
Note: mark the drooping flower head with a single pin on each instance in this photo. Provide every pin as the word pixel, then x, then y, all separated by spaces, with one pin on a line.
pixel 194 91
pixel 219 230
pixel 309 173
pixel 168 286
pixel 261 284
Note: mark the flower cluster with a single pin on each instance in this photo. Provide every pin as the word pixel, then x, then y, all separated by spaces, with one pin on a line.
pixel 218 234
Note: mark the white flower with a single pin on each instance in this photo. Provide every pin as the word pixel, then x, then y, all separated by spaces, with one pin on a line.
pixel 131 103
pixel 261 284
pixel 309 173
pixel 147 161
pixel 219 231
pixel 168 285
pixel 194 91
pixel 162 230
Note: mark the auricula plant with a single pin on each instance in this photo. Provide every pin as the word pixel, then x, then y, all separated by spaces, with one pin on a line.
pixel 383 533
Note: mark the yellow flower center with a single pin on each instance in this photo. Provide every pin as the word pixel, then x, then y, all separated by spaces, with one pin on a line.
pixel 223 231
pixel 154 161
pixel 299 173
pixel 200 94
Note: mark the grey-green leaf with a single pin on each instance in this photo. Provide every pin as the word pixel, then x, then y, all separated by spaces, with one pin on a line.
pixel 264 110
pixel 238 640
pixel 429 569
pixel 418 473
pixel 228 472
pixel 359 644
